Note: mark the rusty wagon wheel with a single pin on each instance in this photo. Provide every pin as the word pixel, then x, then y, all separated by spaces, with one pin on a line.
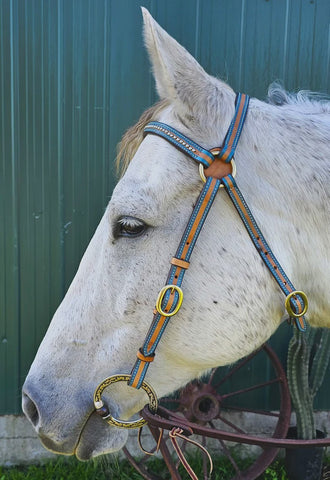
pixel 220 402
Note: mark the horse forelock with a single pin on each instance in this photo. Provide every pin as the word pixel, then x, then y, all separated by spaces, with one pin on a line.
pixel 304 102
pixel 133 137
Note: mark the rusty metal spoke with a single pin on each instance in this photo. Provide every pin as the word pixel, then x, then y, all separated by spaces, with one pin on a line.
pixel 205 460
pixel 235 369
pixel 250 389
pixel 137 465
pixel 251 410
pixel 210 380
pixel 230 424
pixel 226 450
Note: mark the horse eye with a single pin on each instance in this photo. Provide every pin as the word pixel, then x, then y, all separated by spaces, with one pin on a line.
pixel 129 227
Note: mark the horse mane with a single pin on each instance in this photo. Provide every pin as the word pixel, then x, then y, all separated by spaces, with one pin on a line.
pixel 306 101
pixel 133 137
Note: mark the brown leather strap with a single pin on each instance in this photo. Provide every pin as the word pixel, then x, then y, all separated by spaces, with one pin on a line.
pixel 180 263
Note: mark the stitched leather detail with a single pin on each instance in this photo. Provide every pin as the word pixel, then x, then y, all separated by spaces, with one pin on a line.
pixel 175 277
pixel 180 263
pixel 235 128
pixel 263 248
pixel 180 141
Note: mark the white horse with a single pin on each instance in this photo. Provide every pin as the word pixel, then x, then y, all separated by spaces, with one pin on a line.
pixel 231 304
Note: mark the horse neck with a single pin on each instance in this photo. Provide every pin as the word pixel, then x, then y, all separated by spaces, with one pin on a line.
pixel 282 147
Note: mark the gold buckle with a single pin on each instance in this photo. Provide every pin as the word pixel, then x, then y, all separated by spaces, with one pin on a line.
pixel 102 409
pixel 233 172
pixel 161 297
pixel 288 304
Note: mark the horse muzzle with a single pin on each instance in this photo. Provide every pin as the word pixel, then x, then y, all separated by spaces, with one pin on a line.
pixel 69 428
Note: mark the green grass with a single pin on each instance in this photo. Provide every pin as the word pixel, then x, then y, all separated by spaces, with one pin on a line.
pixel 109 468
pixel 71 469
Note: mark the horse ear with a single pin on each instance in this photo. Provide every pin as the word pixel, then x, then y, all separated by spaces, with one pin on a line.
pixel 179 77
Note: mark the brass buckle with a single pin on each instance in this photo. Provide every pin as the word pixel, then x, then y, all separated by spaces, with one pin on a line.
pixel 161 297
pixel 288 304
pixel 102 409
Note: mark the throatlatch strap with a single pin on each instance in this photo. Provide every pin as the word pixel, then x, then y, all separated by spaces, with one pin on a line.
pixel 175 277
pixel 297 303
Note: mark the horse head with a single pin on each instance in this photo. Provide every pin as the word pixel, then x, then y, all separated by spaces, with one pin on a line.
pixel 231 304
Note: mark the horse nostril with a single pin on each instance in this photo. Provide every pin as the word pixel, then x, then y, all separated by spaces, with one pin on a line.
pixel 30 410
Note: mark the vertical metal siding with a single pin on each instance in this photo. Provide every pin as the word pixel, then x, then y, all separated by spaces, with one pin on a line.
pixel 73 76
pixel 254 42
pixel 10 234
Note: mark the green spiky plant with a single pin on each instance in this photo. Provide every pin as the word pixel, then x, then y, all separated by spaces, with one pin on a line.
pixel 307 363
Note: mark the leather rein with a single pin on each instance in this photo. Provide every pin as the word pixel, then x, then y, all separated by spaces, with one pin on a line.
pixel 171 295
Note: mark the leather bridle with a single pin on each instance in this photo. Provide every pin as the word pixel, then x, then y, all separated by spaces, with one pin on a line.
pixel 170 297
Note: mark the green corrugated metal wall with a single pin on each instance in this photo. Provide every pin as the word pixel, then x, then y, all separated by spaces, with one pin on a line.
pixel 73 76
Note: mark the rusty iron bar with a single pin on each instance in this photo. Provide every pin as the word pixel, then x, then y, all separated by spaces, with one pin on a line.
pixel 166 420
